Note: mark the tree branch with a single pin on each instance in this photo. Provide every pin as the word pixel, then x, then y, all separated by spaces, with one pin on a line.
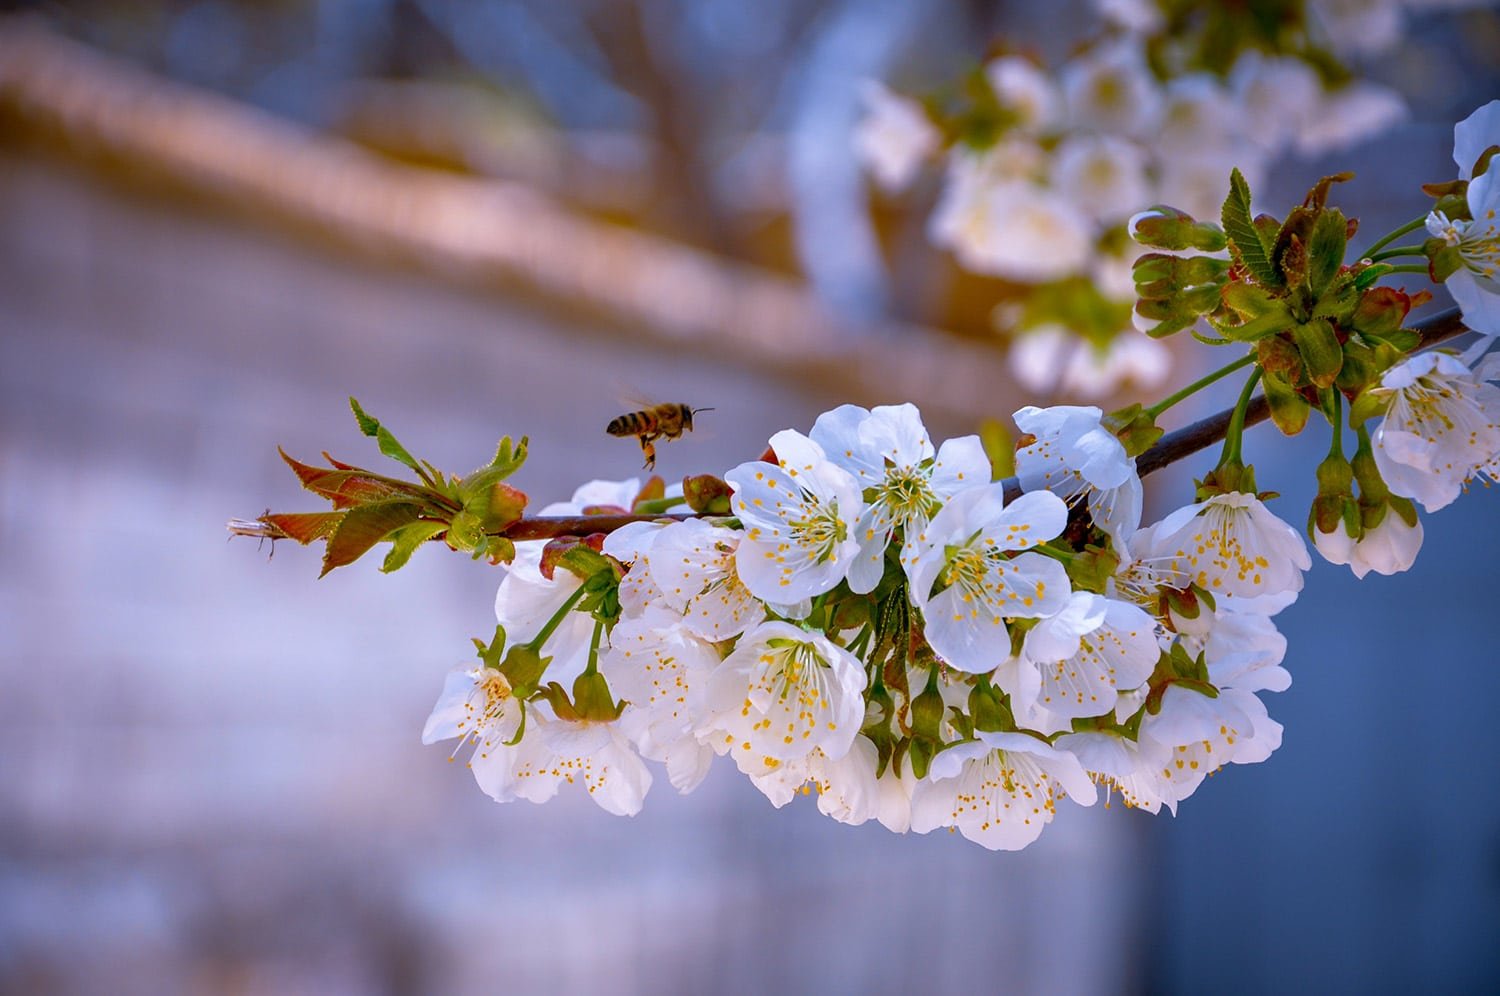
pixel 1169 449
pixel 1204 433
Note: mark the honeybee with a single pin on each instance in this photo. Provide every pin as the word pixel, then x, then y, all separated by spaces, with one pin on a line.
pixel 668 421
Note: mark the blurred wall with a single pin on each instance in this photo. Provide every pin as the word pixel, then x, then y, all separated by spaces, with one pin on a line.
pixel 211 776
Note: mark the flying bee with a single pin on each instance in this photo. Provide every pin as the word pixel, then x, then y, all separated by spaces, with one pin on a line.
pixel 668 421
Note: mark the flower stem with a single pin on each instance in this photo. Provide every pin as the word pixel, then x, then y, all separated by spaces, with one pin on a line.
pixel 1333 407
pixel 1410 226
pixel 1412 250
pixel 1411 268
pixel 1199 385
pixel 1237 420
pixel 557 617
pixel 657 505
pixel 593 667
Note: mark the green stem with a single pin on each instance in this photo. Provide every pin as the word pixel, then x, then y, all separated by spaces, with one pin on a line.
pixel 1333 407
pixel 1237 421
pixel 1199 385
pixel 593 667
pixel 1410 226
pixel 1065 556
pixel 657 505
pixel 1413 250
pixel 556 620
pixel 861 641
pixel 1411 268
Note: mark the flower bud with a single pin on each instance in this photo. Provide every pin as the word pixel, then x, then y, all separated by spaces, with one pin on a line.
pixel 706 494
pixel 1165 227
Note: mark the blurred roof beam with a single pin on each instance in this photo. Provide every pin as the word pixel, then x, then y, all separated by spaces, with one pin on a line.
pixel 483 232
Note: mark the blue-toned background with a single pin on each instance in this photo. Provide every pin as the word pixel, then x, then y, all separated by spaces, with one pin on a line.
pixel 210 779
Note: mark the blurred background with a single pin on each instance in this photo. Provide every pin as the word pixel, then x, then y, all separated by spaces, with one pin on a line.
pixel 219 219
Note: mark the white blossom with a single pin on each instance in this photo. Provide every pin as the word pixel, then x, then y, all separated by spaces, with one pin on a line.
pixel 799 516
pixel 1231 545
pixel 998 220
pixel 780 694
pixel 661 671
pixel 1388 548
pixel 1026 90
pixel 477 706
pixel 1205 733
pixel 999 790
pixel 1103 174
pixel 847 788
pixel 628 545
pixel 970 554
pixel 526 600
pixel 1110 89
pixel 1475 285
pixel 894 136
pixel 1072 455
pixel 1277 97
pixel 1050 359
pixel 1088 652
pixel 1442 429
pixel 888 451
pixel 1196 111
pixel 1131 767
pixel 554 752
pixel 693 564
pixel 1139 16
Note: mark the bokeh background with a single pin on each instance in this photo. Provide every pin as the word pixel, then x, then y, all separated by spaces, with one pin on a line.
pixel 219 219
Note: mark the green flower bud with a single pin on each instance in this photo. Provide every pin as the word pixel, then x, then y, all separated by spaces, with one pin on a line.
pixel 706 494
pixel 1165 227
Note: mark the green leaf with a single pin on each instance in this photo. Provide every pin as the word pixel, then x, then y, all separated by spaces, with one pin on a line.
pixel 509 456
pixel 364 526
pixel 1244 238
pixel 1322 353
pixel 371 426
pixel 304 527
pixel 404 542
pixel 1289 410
pixel 346 486
pixel 1325 250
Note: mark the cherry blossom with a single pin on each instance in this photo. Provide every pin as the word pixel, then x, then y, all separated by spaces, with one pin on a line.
pixel 1441 429
pixel 799 516
pixel 1088 651
pixel 894 136
pixel 1475 285
pixel 1073 456
pixel 969 575
pixel 888 451
pixel 1232 545
pixel 782 693
pixel 693 564
pixel 999 790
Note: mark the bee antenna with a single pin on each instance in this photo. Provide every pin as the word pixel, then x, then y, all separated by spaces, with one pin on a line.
pixel 697 410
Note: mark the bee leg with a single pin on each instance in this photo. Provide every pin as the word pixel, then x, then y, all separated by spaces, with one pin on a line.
pixel 649 450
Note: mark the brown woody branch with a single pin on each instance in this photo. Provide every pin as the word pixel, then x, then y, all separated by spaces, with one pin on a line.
pixel 1169 449
pixel 1205 432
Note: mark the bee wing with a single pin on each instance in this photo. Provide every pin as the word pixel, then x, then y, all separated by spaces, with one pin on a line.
pixel 632 399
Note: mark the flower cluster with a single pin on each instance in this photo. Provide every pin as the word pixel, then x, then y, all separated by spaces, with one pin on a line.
pixel 879 622
pixel 868 616
pixel 1044 167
